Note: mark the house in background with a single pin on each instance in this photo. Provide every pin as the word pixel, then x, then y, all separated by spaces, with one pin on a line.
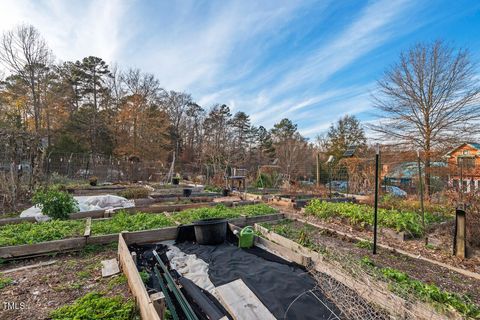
pixel 464 166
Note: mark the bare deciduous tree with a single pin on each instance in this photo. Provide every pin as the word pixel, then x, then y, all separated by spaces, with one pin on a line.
pixel 23 51
pixel 429 98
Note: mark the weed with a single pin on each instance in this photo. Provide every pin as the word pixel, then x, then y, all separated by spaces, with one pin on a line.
pixel 5 281
pixel 364 244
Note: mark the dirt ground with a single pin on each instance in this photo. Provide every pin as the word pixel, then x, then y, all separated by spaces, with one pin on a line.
pixel 441 253
pixel 37 292
pixel 421 270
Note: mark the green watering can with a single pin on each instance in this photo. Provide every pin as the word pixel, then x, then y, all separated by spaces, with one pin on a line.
pixel 246 237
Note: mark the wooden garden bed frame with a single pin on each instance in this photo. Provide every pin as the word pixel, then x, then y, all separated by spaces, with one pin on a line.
pixel 78 243
pixel 379 295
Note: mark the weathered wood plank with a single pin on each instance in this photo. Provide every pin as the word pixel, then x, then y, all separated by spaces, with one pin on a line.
pixel 241 302
pixel 110 267
pixel 32 266
pixel 375 294
pixel 88 227
pixel 143 301
pixel 16 220
pixel 155 235
pixel 41 248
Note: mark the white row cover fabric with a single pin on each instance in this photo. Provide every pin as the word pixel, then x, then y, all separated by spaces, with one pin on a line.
pixel 86 203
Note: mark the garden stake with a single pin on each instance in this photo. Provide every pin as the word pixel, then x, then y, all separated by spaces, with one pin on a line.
pixel 421 197
pixel 377 156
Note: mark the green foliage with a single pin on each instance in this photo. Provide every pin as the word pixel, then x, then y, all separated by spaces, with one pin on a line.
pixel 220 211
pixel 145 276
pixel 210 188
pixel 366 261
pixel 55 203
pixel 5 281
pixel 431 293
pixel 264 181
pixel 362 215
pixel 134 193
pixel 28 233
pixel 123 221
pixel 95 306
pixel 364 244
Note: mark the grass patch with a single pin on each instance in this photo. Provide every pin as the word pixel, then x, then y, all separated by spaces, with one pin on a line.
pixel 357 214
pixel 96 306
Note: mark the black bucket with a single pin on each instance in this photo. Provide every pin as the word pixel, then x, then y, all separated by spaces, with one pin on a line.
pixel 175 181
pixel 210 231
pixel 187 192
pixel 225 192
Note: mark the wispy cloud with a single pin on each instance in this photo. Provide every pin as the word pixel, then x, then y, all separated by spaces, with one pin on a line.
pixel 273 59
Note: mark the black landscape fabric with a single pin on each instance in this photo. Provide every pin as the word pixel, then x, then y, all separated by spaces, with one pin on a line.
pixel 276 284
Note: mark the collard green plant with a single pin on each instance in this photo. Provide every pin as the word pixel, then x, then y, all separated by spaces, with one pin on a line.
pixel 55 203
pixel 362 215
pixel 96 306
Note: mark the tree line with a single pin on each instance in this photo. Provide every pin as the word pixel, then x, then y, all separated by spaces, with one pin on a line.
pixel 88 106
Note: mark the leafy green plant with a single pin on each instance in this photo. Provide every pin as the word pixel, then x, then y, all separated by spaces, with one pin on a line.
pixel 28 233
pixel 134 193
pixel 123 221
pixel 364 244
pixel 210 188
pixel 357 214
pixel 145 276
pixel 431 293
pixel 366 261
pixel 55 203
pixel 220 211
pixel 5 281
pixel 96 306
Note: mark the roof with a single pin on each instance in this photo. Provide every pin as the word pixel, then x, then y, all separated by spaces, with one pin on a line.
pixel 471 144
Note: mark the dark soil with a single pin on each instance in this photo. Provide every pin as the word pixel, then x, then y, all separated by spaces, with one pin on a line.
pixel 421 270
pixel 44 289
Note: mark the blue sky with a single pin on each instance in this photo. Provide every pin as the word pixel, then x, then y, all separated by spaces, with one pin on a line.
pixel 310 61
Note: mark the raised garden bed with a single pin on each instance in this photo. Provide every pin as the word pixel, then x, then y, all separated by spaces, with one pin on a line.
pixel 362 215
pixel 149 207
pixel 29 239
pixel 46 284
pixel 439 286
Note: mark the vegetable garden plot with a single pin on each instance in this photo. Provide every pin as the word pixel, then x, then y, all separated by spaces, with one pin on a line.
pixel 62 236
pixel 407 276
pixel 361 215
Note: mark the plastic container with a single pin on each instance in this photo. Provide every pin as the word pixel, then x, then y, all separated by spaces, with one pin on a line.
pixel 187 192
pixel 210 231
pixel 225 192
pixel 245 240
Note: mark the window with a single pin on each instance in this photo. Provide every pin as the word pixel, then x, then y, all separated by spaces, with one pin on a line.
pixel 466 162
pixel 465 152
